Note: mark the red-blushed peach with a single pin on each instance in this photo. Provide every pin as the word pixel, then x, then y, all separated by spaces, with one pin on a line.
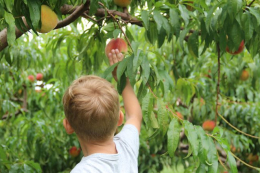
pixel 39 76
pixel 49 19
pixel 31 78
pixel 74 151
pixel 244 75
pixel 122 3
pixel 118 43
pixel 239 50
pixel 209 125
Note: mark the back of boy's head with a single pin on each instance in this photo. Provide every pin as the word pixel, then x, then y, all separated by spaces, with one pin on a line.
pixel 91 105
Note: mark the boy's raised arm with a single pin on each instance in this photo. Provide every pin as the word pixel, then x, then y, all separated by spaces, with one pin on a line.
pixel 131 103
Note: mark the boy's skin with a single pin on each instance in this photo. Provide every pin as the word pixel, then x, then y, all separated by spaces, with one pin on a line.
pixel 133 116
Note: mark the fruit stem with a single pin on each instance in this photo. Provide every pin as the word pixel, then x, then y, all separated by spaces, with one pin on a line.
pixel 128 42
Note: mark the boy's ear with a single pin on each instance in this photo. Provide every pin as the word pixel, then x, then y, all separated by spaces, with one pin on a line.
pixel 67 126
pixel 121 118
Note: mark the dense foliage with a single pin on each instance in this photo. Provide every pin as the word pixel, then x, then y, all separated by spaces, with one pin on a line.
pixel 177 62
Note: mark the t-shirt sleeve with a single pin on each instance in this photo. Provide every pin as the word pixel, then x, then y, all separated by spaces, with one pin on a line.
pixel 130 136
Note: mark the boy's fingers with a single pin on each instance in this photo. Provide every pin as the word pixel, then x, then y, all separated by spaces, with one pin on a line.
pixel 115 60
pixel 121 56
pixel 110 58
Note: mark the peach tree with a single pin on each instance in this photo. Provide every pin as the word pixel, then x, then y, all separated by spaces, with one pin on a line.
pixel 194 66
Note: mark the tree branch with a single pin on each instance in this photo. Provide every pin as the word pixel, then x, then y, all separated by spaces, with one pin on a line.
pixel 71 18
pixel 216 116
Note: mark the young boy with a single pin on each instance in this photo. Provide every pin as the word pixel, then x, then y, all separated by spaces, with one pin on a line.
pixel 92 109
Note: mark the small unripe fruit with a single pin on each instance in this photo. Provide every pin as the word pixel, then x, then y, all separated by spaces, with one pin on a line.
pixel 122 3
pixel 31 78
pixel 49 19
pixel 209 125
pixel 39 76
pixel 244 75
pixel 239 50
pixel 179 115
pixel 252 158
pixel 118 43
pixel 74 151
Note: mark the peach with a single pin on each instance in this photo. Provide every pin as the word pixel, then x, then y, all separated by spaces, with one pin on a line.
pixel 239 50
pixel 122 3
pixel 49 19
pixel 244 75
pixel 209 125
pixel 39 76
pixel 74 151
pixel 118 43
pixel 31 78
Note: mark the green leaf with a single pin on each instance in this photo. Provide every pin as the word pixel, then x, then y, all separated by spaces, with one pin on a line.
pixel 138 58
pixel 116 32
pixel 192 136
pixel 162 116
pixel 121 84
pixel 121 68
pixel 255 12
pixel 161 37
pixel 175 21
pixel 145 110
pixel 145 69
pixel 152 33
pixel 129 71
pixel 9 5
pixel 204 142
pixel 193 44
pixel 3 156
pixel 35 166
pixel 154 122
pixel 182 36
pixel 212 157
pixel 232 162
pixel 173 136
pixel 10 28
pixel 108 71
pixel 93 7
pixel 158 18
pixel 210 14
pixel 145 18
pixel 184 14
pixel 35 12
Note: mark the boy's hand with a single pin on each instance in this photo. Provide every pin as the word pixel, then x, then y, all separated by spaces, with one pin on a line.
pixel 114 57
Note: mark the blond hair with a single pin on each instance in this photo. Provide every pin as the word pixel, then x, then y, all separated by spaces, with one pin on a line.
pixel 91 105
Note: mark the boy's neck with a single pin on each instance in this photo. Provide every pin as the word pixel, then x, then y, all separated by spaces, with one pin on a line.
pixel 93 147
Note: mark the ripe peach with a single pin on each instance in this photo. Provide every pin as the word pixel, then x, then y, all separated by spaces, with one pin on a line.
pixel 122 3
pixel 118 43
pixel 239 50
pixel 209 125
pixel 74 151
pixel 39 76
pixel 244 75
pixel 31 78
pixel 49 19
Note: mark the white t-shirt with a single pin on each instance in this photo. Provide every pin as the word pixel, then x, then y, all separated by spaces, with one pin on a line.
pixel 125 161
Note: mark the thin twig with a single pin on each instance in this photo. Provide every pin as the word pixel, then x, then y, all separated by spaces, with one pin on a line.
pixel 249 5
pixel 216 115
pixel 117 24
pixel 237 128
pixel 253 167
